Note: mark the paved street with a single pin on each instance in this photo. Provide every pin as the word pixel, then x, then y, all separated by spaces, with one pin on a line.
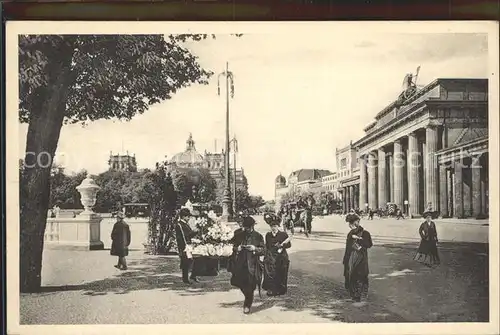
pixel 83 287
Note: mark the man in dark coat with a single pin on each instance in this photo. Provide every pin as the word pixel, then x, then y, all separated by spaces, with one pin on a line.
pixel 120 236
pixel 184 234
pixel 248 246
pixel 356 259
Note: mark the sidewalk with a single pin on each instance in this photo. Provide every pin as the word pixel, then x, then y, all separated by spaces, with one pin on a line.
pixel 82 287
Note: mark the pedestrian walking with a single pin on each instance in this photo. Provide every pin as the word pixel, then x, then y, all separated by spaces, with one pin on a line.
pixel 120 237
pixel 370 214
pixel 248 246
pixel 427 252
pixel 356 259
pixel 184 234
pixel 238 231
pixel 276 261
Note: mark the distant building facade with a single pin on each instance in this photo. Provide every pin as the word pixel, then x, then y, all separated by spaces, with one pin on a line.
pixel 124 162
pixel 348 177
pixel 427 149
pixel 430 150
pixel 303 180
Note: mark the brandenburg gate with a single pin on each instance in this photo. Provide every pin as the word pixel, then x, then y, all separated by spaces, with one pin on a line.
pixel 429 151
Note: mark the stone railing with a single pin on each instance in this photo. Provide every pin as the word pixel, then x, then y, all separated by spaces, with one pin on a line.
pixel 52 230
pixel 82 231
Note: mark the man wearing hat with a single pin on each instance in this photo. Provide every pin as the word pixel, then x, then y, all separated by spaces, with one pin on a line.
pixel 184 234
pixel 248 246
pixel 276 261
pixel 356 258
pixel 120 237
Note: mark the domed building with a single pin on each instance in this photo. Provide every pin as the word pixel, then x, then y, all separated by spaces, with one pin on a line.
pixel 188 158
pixel 214 162
pixel 280 189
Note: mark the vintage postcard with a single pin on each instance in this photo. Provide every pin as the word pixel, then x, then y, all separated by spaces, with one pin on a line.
pixel 291 178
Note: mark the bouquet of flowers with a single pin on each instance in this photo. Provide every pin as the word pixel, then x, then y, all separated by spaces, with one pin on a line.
pixel 213 237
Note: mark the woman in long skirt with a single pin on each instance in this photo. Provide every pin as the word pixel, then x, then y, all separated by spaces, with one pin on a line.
pixel 427 252
pixel 356 259
pixel 248 246
pixel 276 261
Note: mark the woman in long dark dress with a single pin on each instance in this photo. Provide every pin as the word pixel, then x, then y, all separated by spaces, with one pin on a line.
pixel 248 246
pixel 120 236
pixel 427 252
pixel 356 259
pixel 276 261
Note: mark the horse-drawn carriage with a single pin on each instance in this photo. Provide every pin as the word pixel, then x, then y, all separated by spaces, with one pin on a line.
pixel 297 216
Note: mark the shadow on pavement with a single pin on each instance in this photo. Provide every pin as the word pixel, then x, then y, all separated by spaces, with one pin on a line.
pixel 401 290
pixel 151 273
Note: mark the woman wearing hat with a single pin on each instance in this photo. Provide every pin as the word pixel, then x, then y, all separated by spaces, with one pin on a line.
pixel 276 261
pixel 356 259
pixel 120 236
pixel 427 252
pixel 248 246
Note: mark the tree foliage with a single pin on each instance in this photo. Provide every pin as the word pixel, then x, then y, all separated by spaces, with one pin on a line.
pixel 81 78
pixel 186 178
pixel 63 189
pixel 108 76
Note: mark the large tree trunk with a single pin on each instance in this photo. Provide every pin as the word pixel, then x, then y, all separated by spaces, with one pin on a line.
pixel 43 134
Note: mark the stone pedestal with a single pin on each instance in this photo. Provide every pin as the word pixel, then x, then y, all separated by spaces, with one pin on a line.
pixel 80 233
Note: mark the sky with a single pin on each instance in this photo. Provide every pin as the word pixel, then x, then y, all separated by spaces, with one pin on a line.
pixel 296 100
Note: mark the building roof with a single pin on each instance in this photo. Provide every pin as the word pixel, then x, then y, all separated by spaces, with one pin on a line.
pixel 189 156
pixel 309 174
pixel 280 179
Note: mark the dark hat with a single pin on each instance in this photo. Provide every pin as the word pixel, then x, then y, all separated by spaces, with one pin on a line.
pixel 352 217
pixel 248 221
pixel 184 212
pixel 272 219
pixel 428 213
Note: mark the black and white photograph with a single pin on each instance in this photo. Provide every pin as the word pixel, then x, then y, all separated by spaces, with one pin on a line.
pixel 293 178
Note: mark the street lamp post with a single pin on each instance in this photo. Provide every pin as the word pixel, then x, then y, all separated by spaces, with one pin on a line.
pixel 234 141
pixel 226 201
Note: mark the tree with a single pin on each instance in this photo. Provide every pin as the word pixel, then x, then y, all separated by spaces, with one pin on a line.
pixel 256 201
pixel 162 199
pixel 82 78
pixel 185 178
pixel 63 190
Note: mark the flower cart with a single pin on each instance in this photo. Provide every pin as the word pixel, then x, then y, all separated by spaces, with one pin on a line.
pixel 211 248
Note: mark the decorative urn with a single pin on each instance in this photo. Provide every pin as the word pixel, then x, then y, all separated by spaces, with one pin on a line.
pixel 88 194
